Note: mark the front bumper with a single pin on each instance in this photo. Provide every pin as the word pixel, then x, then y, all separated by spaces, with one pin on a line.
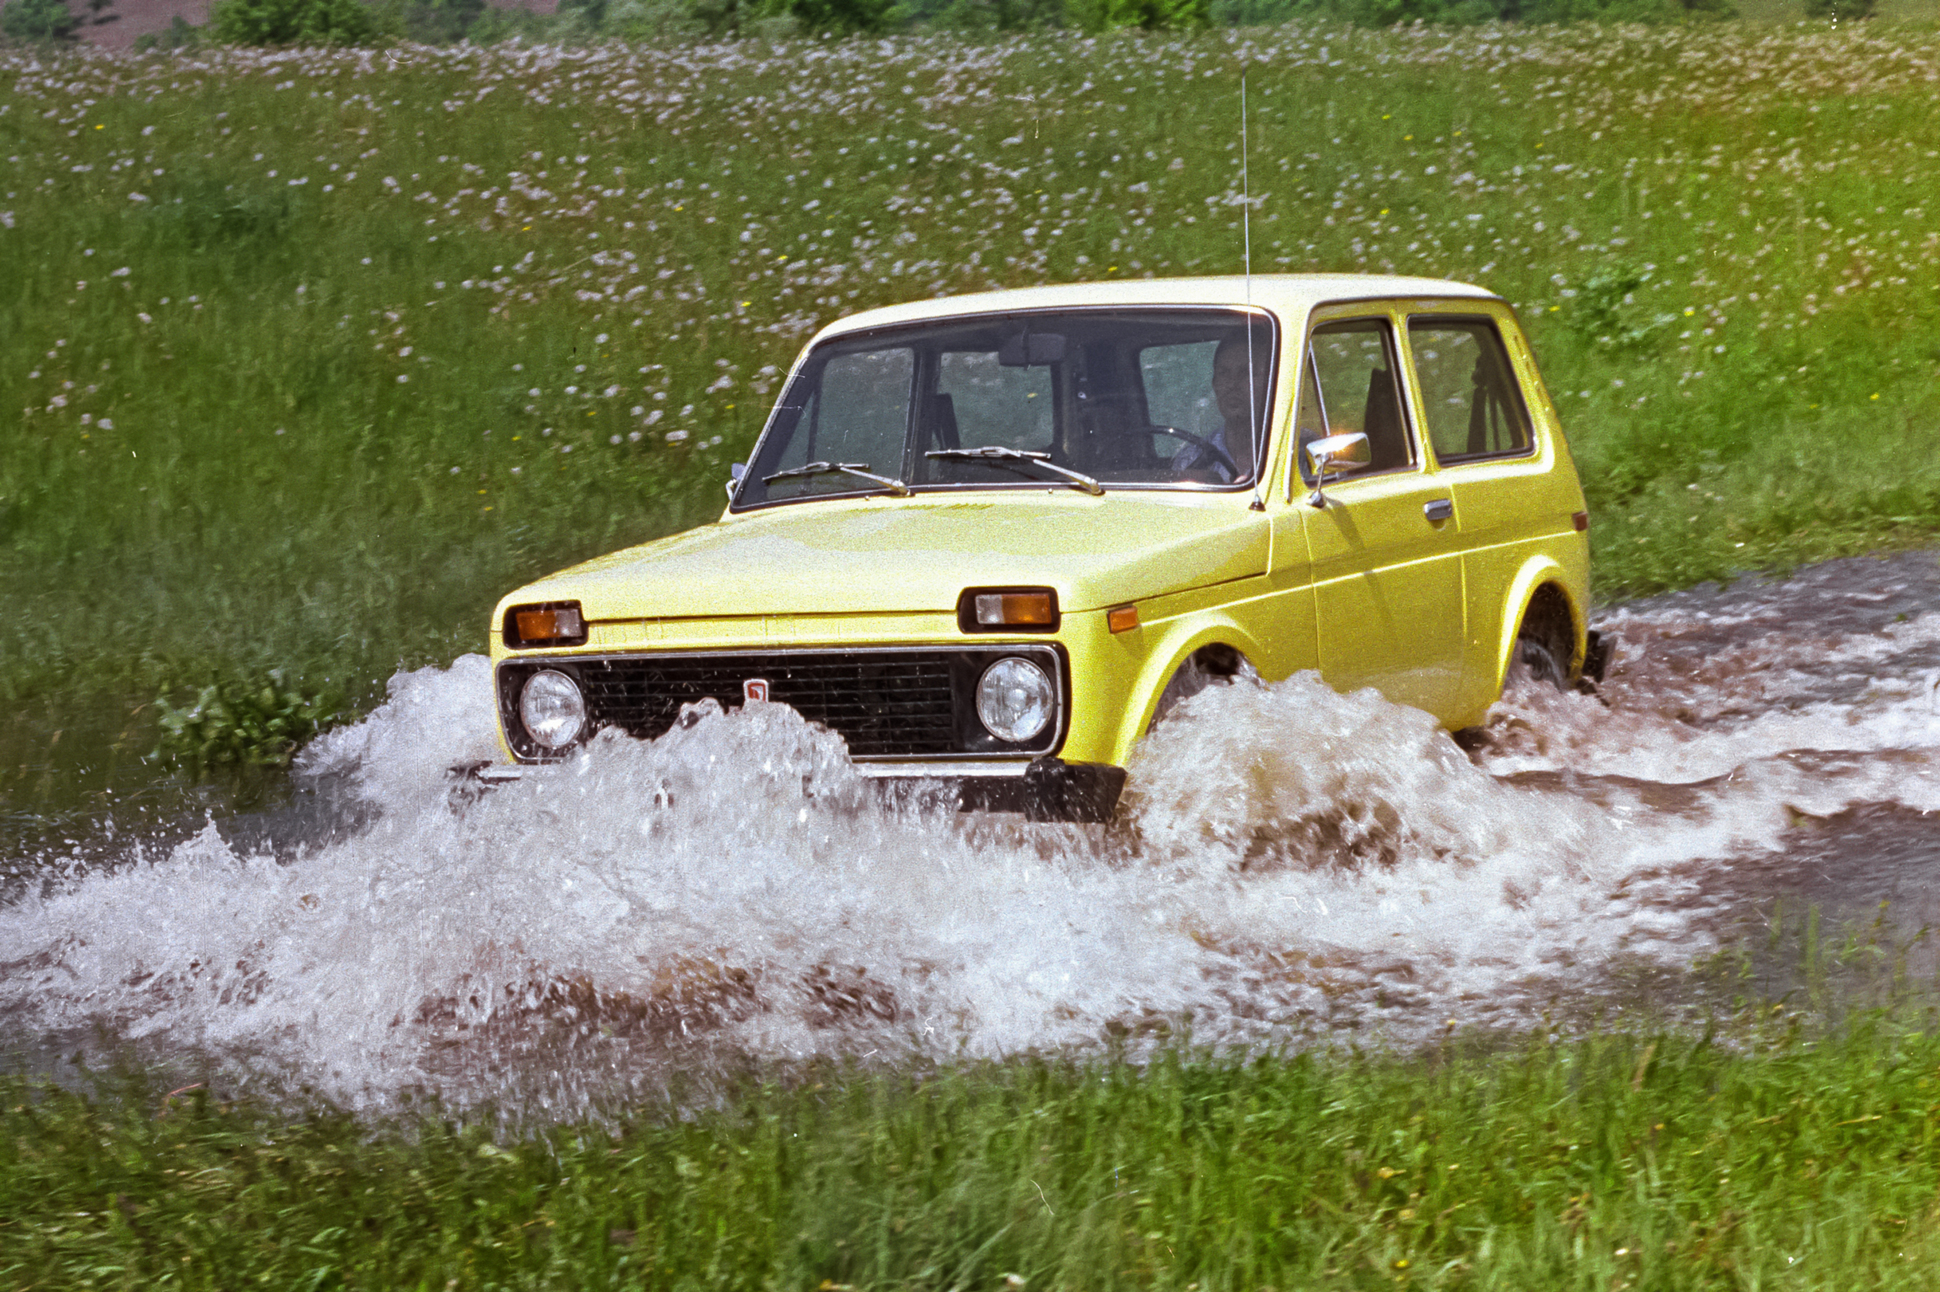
pixel 1043 789
pixel 1048 789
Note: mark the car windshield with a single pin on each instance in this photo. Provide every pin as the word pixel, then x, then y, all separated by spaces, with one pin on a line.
pixel 1082 399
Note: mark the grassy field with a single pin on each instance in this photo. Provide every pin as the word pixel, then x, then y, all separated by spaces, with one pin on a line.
pixel 317 352
pixel 1661 1162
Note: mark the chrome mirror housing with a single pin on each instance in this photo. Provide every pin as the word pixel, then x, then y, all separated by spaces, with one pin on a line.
pixel 736 471
pixel 1334 456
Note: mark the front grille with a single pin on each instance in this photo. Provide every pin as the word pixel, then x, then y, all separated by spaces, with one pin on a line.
pixel 883 703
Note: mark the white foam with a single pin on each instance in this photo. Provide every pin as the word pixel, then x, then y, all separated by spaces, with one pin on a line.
pixel 432 719
pixel 1734 709
pixel 1291 858
pixel 1288 861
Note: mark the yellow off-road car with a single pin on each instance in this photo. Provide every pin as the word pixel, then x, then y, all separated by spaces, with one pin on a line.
pixel 989 539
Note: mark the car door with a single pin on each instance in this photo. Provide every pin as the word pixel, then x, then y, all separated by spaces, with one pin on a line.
pixel 1479 430
pixel 1384 547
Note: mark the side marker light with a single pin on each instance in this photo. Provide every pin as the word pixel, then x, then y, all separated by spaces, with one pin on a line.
pixel 1121 619
pixel 1581 520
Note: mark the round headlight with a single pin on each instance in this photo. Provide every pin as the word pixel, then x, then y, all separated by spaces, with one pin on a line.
pixel 1015 699
pixel 552 709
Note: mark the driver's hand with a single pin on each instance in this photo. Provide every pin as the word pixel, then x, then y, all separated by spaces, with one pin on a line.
pixel 1199 466
pixel 1196 464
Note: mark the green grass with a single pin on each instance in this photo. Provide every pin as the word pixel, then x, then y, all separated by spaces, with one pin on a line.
pixel 266 493
pixel 1656 1162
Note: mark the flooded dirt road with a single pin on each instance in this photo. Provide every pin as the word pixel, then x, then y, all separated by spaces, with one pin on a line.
pixel 1290 866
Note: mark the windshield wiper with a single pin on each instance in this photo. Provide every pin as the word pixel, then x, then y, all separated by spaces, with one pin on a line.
pixel 860 469
pixel 999 454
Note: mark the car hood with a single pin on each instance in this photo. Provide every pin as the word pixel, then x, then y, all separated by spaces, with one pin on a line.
pixel 882 555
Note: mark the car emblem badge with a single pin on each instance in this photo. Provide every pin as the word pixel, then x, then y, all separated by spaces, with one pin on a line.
pixel 754 688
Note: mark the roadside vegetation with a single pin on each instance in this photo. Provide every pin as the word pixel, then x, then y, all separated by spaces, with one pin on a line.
pixel 1664 1162
pixel 316 351
pixel 364 22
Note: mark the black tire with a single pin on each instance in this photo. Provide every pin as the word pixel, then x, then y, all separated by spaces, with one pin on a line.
pixel 1198 673
pixel 1540 661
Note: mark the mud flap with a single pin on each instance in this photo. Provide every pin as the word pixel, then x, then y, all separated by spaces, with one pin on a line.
pixel 1596 656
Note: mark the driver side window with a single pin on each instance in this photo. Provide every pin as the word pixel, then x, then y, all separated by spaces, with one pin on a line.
pixel 1350 386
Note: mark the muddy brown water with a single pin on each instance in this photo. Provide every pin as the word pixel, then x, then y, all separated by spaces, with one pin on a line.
pixel 1749 806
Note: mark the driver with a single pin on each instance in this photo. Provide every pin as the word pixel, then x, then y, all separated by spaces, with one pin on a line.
pixel 1226 456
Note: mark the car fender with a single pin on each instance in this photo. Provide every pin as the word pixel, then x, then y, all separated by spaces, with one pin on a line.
pixel 1538 570
pixel 1179 640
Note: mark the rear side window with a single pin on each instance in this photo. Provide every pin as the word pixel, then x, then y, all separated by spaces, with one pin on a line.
pixel 1468 390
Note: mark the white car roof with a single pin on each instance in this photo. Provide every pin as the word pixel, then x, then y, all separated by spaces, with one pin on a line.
pixel 1291 296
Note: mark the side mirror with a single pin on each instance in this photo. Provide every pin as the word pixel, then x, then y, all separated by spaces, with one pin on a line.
pixel 736 473
pixel 1335 456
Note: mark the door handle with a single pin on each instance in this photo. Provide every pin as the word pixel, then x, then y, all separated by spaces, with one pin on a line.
pixel 1440 509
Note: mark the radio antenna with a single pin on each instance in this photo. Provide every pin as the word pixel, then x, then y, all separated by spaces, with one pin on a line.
pixel 1246 243
pixel 1246 195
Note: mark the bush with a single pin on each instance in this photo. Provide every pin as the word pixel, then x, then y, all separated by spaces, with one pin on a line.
pixel 179 34
pixel 654 20
pixel 433 22
pixel 38 20
pixel 843 17
pixel 1607 314
pixel 294 22
pixel 1150 15
pixel 242 724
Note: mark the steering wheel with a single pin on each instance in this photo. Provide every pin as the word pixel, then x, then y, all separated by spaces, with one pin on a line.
pixel 1198 441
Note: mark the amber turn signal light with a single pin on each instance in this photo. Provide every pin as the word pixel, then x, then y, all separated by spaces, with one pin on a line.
pixel 1121 619
pixel 984 610
pixel 548 625
pixel 995 608
pixel 558 624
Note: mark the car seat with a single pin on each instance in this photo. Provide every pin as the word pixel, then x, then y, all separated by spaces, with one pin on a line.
pixel 1387 440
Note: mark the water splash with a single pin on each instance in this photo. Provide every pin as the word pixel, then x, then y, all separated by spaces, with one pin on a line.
pixel 737 885
pixel 1289 862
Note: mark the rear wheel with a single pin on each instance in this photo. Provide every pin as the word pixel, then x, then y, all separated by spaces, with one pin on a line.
pixel 1546 637
pixel 1539 661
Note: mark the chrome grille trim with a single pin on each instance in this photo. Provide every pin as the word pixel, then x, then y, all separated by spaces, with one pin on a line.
pixel 887 702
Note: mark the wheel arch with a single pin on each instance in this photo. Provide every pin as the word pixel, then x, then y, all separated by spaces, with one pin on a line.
pixel 1539 597
pixel 1223 647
